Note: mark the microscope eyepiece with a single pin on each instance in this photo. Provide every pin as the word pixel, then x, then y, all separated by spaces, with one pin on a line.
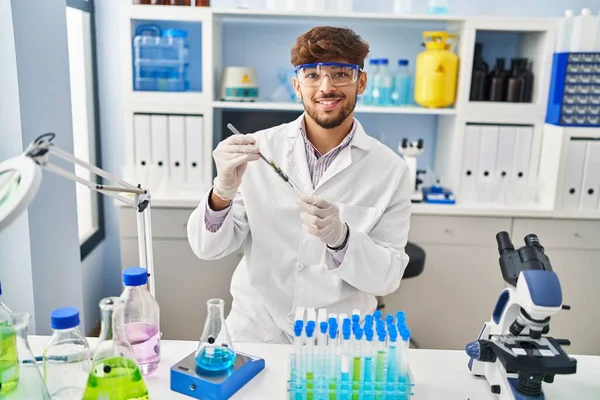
pixel 504 243
pixel 533 241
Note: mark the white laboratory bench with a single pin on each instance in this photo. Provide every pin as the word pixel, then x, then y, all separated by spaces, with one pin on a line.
pixel 438 374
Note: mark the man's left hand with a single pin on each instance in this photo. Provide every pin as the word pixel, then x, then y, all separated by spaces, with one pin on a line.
pixel 322 219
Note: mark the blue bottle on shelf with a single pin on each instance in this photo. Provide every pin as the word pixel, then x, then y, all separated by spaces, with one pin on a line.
pixel 372 70
pixel 402 93
pixel 382 84
pixel 160 59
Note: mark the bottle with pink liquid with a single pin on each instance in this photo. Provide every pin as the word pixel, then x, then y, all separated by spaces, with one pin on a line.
pixel 141 314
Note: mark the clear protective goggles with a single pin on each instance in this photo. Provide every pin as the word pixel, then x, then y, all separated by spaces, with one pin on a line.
pixel 341 74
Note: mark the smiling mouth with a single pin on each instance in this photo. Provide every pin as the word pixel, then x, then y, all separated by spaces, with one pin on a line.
pixel 328 104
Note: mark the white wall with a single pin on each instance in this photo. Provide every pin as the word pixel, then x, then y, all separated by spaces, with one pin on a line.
pixel 48 270
pixel 15 265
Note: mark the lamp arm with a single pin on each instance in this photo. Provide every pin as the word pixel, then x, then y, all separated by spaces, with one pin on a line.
pixel 40 150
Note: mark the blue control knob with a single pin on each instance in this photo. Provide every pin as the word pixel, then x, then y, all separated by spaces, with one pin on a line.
pixel 481 350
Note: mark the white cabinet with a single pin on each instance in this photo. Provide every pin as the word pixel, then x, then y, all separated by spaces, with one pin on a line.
pixel 573 248
pixel 448 303
pixel 183 282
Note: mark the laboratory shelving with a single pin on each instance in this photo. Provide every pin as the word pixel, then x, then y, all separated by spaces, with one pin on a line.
pixel 535 39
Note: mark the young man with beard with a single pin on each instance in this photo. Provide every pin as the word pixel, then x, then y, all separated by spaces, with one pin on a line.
pixel 338 245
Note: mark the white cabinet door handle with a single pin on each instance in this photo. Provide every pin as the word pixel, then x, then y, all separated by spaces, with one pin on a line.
pixel 577 235
pixel 448 231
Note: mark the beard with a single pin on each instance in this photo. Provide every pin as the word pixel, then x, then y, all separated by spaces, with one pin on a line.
pixel 332 119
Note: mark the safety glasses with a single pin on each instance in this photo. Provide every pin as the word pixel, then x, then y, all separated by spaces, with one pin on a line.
pixel 341 74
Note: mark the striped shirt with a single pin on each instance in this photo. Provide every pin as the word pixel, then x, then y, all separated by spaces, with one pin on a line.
pixel 317 165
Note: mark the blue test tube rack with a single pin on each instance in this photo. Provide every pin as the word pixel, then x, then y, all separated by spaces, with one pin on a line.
pixel 380 342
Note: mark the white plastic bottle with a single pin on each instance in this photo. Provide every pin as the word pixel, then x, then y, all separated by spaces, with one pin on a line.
pixel 67 356
pixel 584 32
pixel 565 32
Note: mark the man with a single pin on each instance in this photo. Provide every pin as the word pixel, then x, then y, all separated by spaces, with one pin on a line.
pixel 339 244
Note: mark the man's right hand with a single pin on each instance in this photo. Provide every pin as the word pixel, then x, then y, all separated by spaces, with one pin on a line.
pixel 231 158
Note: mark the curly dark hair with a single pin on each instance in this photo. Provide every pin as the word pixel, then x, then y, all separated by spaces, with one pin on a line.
pixel 327 43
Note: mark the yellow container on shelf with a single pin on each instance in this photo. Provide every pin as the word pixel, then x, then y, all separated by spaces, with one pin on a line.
pixel 436 72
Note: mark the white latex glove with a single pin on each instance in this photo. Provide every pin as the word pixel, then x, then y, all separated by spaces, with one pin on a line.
pixel 322 219
pixel 231 158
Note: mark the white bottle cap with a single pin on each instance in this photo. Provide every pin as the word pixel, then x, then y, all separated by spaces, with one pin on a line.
pixel 586 11
pixel 569 13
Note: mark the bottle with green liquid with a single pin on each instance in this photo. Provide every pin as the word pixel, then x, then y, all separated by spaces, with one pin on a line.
pixel 115 374
pixel 9 359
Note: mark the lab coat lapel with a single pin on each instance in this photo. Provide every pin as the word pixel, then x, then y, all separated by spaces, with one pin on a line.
pixel 296 157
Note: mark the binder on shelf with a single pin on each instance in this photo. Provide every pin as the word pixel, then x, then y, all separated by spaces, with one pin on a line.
pixel 160 152
pixel 591 177
pixel 468 185
pixel 176 169
pixel 571 191
pixel 194 132
pixel 504 162
pixel 521 175
pixel 487 163
pixel 142 148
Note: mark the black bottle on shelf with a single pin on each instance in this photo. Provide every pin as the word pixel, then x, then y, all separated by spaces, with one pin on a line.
pixel 528 78
pixel 497 81
pixel 480 74
pixel 514 90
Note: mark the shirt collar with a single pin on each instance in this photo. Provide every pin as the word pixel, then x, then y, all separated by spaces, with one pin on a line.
pixel 344 143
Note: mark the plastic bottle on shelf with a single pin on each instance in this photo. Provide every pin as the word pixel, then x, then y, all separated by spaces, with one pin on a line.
pixel 514 90
pixel 372 70
pixel 527 75
pixel 141 318
pixel 382 85
pixel 584 32
pixel 440 7
pixel 402 93
pixel 565 32
pixel 66 357
pixel 479 80
pixel 497 80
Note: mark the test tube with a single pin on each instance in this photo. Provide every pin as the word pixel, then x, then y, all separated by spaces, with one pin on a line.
pixel 403 366
pixel 380 363
pixel 368 364
pixel 357 363
pixel 345 361
pixel 298 356
pixel 333 361
pixel 322 355
pixel 368 322
pixel 311 318
pixel 377 315
pixel 392 371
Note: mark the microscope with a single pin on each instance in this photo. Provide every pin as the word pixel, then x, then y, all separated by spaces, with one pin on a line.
pixel 410 151
pixel 511 351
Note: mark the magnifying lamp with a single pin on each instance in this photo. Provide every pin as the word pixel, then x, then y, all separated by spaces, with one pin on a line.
pixel 20 179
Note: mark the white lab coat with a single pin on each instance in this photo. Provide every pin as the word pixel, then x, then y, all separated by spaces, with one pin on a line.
pixel 284 266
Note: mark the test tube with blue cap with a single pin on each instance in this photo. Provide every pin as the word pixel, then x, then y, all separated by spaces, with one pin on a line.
pixel 377 315
pixel 321 357
pixel 333 360
pixel 345 360
pixel 381 358
pixel 298 356
pixel 311 322
pixel 357 361
pixel 368 363
pixel 403 359
pixel 392 370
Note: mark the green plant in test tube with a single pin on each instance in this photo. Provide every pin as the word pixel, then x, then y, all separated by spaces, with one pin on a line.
pixel 115 374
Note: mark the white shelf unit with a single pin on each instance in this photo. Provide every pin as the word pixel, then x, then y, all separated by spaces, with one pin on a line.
pixel 537 37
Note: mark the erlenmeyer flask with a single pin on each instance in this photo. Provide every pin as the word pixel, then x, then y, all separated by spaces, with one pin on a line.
pixel 115 374
pixel 20 377
pixel 215 351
